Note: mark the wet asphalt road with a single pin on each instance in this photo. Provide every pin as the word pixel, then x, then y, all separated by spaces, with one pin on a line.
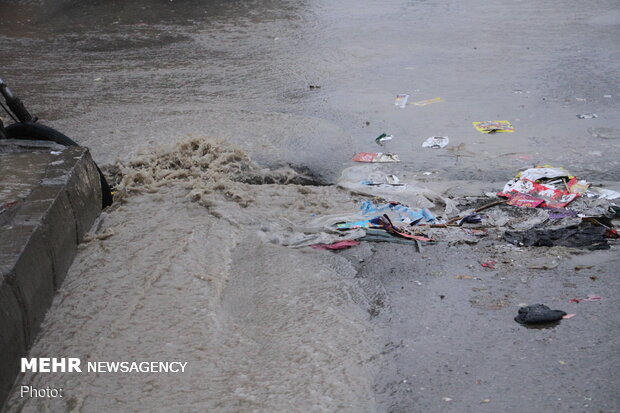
pixel 119 77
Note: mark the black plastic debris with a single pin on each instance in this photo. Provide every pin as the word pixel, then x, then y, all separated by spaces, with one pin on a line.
pixel 538 314
pixel 582 235
pixel 471 219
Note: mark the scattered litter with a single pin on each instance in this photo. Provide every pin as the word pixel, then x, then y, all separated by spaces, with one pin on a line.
pixel 489 264
pixel 374 235
pixel 427 173
pixel 520 91
pixel 544 172
pixel 482 208
pixel 603 193
pixel 55 152
pixel 580 99
pixel 568 316
pixel 369 223
pixel 392 179
pixel 314 86
pixel 470 219
pixel 436 142
pixel 590 297
pixel 538 314
pixel 413 194
pixel 98 79
pixel 405 214
pixel 577 186
pixel 384 137
pixel 401 100
pixel 607 96
pixel 428 101
pixel 587 116
pixel 583 267
pixel 550 197
pixel 376 157
pixel 446 399
pixel 524 200
pixel 486 401
pixel 580 235
pixel 493 126
pixel 336 245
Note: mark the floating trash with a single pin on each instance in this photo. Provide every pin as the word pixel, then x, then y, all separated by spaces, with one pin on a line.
pixel 493 126
pixel 587 116
pixel 401 100
pixel 384 137
pixel 436 142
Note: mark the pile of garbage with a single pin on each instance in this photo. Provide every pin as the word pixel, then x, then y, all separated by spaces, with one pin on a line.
pixel 541 206
pixel 578 215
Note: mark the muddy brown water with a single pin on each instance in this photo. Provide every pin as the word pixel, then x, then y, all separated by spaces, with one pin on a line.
pixel 269 328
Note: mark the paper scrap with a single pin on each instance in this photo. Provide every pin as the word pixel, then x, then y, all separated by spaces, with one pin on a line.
pixel 401 100
pixel 493 126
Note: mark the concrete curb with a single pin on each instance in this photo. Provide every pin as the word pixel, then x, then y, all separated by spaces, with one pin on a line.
pixel 39 233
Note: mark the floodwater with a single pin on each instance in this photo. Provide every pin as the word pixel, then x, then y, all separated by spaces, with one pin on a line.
pixel 197 266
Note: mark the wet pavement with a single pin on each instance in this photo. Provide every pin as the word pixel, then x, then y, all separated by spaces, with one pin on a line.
pixel 124 77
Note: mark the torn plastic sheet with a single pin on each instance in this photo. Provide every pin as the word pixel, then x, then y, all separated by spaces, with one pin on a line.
pixel 368 223
pixel 592 207
pixel 436 142
pixel 603 193
pixel 553 198
pixel 577 236
pixel 428 101
pixel 401 232
pixel 405 213
pixel 340 245
pixel 375 157
pixel 382 236
pixel 544 172
pixel 401 100
pixel 493 126
pixel 382 223
pixel 414 195
pixel 392 179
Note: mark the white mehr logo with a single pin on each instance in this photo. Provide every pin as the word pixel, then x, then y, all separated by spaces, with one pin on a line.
pixel 51 365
